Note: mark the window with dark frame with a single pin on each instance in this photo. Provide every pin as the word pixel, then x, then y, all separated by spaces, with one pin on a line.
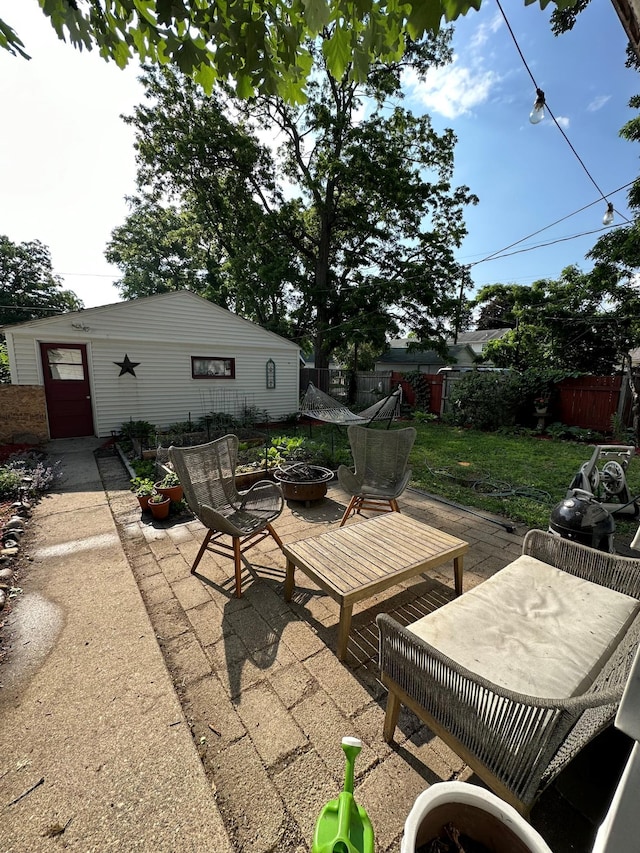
pixel 213 368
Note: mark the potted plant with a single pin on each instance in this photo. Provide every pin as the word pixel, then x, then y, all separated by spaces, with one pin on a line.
pixel 159 505
pixel 170 487
pixel 541 403
pixel 143 489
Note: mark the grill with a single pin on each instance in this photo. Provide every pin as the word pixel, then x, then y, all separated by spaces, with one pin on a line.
pixel 581 518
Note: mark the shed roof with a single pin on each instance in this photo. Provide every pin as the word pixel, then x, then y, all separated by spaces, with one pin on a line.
pixel 85 315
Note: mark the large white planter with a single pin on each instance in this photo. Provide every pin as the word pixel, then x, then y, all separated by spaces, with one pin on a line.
pixel 475 812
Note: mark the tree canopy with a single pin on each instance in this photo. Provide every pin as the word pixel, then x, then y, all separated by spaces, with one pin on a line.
pixel 263 45
pixel 347 229
pixel 29 290
pixel 579 323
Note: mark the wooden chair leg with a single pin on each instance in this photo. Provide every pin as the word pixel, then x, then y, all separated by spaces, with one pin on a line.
pixel 391 717
pixel 275 535
pixel 237 559
pixel 394 505
pixel 203 548
pixel 353 507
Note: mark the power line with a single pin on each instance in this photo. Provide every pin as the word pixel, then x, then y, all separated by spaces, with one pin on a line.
pixel 540 99
pixel 546 227
pixel 497 257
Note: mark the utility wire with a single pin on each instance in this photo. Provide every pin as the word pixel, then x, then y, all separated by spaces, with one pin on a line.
pixel 546 227
pixel 555 121
pixel 497 257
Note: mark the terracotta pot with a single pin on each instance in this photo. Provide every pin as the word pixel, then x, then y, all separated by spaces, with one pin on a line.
pixel 174 493
pixel 160 510
pixel 143 500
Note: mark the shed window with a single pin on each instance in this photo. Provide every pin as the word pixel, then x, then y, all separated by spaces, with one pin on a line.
pixel 213 368
pixel 65 363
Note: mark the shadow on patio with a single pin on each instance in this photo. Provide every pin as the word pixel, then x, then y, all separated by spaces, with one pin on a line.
pixel 268 701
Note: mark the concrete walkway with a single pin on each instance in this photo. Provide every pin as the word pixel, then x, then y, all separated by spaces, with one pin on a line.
pixel 90 722
pixel 164 714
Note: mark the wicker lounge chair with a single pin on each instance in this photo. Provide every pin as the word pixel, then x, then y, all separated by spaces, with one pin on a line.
pixel 535 670
pixel 207 474
pixel 381 474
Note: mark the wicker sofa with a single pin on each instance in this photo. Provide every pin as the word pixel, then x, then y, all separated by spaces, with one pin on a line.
pixel 521 672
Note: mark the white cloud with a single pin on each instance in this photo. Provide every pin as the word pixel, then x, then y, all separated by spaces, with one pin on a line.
pixel 485 30
pixel 597 103
pixel 453 90
pixel 563 121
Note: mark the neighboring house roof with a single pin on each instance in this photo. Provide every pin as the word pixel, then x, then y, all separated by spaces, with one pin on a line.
pixel 481 336
pixel 397 355
pixel 473 338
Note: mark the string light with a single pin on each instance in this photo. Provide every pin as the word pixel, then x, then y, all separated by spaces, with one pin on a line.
pixel 537 113
pixel 607 219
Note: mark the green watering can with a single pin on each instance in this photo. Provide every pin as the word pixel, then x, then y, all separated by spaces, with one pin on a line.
pixel 343 825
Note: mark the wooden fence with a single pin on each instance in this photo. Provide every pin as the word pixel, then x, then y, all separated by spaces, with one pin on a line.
pixel 588 402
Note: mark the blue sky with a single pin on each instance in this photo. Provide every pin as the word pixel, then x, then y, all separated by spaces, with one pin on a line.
pixel 525 175
pixel 67 159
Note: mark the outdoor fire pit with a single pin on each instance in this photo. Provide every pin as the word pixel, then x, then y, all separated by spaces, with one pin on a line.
pixel 303 482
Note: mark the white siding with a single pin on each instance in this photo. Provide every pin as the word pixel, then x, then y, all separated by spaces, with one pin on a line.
pixel 162 333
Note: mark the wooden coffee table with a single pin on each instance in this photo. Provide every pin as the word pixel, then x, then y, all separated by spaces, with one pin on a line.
pixel 355 562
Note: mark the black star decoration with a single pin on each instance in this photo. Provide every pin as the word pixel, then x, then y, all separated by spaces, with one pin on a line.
pixel 126 366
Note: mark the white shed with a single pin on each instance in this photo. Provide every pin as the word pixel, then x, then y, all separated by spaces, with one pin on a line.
pixel 162 359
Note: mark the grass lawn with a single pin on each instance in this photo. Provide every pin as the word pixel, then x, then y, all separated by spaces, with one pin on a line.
pixel 519 476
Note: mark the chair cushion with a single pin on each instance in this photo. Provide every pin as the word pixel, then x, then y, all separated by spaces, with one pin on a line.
pixel 532 628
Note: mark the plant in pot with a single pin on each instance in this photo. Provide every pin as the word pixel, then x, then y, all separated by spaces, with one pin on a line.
pixel 143 489
pixel 159 505
pixel 170 487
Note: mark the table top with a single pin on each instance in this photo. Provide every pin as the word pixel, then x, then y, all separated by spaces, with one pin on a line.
pixel 357 560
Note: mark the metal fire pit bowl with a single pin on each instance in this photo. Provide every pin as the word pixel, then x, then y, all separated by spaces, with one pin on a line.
pixel 303 482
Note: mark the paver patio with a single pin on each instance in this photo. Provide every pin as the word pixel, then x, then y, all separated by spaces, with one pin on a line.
pixel 267 698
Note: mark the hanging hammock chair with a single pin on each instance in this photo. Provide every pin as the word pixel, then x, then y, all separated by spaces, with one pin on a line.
pixel 319 406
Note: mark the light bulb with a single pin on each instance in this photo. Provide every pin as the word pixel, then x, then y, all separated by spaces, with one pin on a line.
pixel 537 113
pixel 607 219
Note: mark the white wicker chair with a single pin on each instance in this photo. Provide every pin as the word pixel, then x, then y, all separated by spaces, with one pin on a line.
pixel 516 743
pixel 207 475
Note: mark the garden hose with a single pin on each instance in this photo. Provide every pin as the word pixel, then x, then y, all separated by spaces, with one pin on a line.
pixel 485 485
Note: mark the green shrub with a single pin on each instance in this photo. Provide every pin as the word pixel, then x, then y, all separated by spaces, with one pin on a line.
pixel 421 389
pixel 9 483
pixel 485 401
pixel 424 417
pixel 142 486
pixel 140 430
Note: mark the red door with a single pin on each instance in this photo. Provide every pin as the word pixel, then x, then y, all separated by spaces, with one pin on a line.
pixel 66 387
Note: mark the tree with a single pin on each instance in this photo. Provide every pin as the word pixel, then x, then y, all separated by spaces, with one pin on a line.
pixel 350 228
pixel 160 249
pixel 497 303
pixel 581 323
pixel 617 258
pixel 29 289
pixel 261 44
